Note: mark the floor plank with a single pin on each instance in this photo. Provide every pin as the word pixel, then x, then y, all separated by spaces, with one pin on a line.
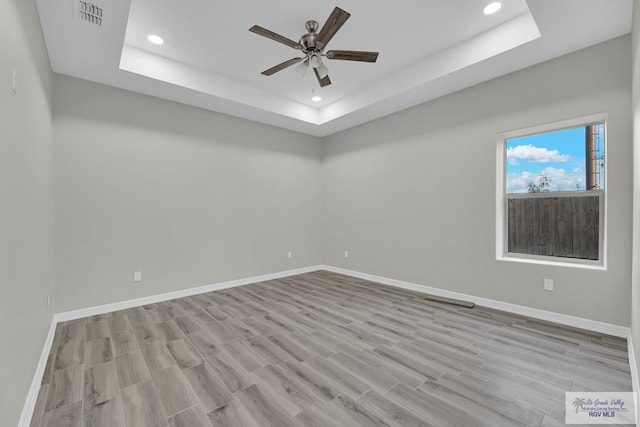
pixel 66 416
pixel 169 331
pixel 65 388
pixel 141 406
pixel 192 417
pixel 234 376
pixel 98 351
pixel 69 353
pixel 157 356
pixel 123 342
pixel 131 369
pixel 262 409
pixel 100 384
pixel 232 414
pixel 208 387
pixel 174 390
pixel 350 383
pixel 38 411
pixel 390 412
pixel 104 414
pixel 184 353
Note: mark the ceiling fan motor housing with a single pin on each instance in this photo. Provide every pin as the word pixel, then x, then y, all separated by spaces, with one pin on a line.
pixel 308 41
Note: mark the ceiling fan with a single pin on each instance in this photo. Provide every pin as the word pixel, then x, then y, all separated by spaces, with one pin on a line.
pixel 312 45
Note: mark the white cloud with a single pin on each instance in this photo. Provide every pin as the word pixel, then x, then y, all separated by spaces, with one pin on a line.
pixel 559 180
pixel 534 154
pixel 519 183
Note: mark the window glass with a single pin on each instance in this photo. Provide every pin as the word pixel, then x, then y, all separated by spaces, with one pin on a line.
pixel 561 160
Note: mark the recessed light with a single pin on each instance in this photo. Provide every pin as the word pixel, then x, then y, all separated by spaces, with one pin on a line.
pixel 316 99
pixel 155 39
pixel 492 8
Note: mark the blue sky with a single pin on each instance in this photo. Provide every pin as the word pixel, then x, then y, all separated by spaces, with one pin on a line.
pixel 558 155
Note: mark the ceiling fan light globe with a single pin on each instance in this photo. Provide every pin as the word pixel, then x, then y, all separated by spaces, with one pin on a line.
pixel 302 68
pixel 323 71
pixel 315 61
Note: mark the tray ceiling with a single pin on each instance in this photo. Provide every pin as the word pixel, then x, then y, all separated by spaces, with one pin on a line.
pixel 209 59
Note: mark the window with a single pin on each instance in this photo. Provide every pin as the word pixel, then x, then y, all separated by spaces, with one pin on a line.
pixel 551 193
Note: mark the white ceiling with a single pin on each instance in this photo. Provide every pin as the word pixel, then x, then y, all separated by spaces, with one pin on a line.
pixel 427 48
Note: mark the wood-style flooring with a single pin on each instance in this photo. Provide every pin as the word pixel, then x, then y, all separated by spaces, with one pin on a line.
pixel 320 349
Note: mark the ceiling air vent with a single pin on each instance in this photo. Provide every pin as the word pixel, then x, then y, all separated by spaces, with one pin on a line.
pixel 89 12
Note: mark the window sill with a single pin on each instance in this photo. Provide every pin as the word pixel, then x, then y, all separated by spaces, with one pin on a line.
pixel 553 261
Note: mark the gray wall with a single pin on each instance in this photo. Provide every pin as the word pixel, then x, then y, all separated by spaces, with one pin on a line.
pixel 412 195
pixel 187 197
pixel 26 236
pixel 635 300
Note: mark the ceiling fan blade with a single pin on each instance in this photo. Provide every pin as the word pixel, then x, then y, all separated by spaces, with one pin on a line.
pixel 353 55
pixel 274 36
pixel 281 66
pixel 323 82
pixel 335 21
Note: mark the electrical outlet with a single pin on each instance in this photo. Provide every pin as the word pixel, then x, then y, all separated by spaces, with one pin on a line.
pixel 137 276
pixel 346 254
pixel 548 284
pixel 289 254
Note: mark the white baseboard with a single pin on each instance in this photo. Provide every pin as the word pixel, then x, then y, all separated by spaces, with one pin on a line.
pixel 122 305
pixel 563 319
pixel 635 381
pixel 34 389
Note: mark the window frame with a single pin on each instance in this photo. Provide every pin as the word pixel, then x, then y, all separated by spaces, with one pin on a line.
pixel 502 197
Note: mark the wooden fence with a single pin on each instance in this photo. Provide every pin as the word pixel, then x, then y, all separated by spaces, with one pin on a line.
pixel 554 225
